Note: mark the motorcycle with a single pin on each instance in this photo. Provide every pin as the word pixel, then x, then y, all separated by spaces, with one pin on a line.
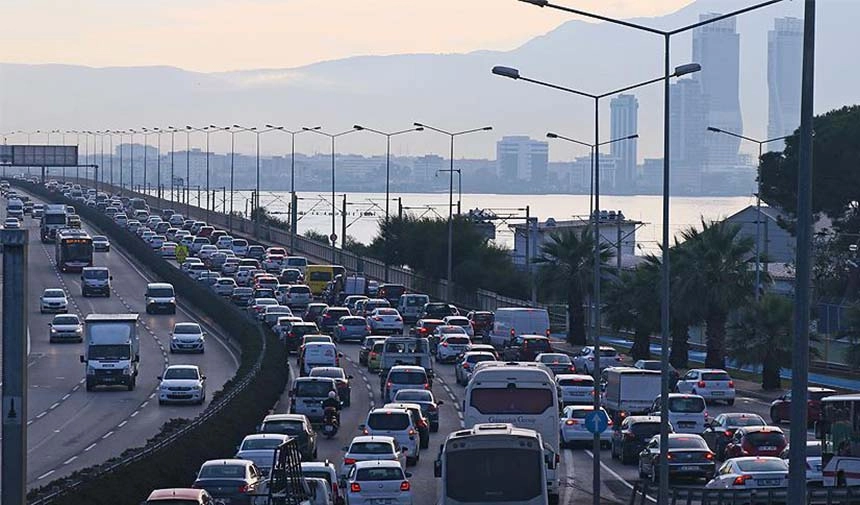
pixel 330 422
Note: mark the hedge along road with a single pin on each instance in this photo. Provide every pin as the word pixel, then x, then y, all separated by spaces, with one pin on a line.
pixel 72 429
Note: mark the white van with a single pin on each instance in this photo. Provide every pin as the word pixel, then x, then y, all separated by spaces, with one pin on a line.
pixel 298 262
pixel 410 306
pixel 510 322
pixel 316 354
pixel 687 413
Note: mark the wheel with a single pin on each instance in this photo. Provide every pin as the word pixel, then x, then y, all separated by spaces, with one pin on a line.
pixel 775 417
pixel 161 402
pixel 625 457
pixel 425 444
pixel 131 385
pixel 554 499
pixel 90 387
pixel 411 461
pixel 730 402
pixel 612 453
pixel 434 428
pixel 642 474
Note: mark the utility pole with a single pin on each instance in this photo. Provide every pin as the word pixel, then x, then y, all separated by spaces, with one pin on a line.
pixel 618 246
pixel 13 486
pixel 343 224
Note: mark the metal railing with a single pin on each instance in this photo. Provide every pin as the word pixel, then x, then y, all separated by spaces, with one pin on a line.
pixel 645 493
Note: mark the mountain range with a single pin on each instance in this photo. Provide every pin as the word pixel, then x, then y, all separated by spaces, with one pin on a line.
pixel 451 91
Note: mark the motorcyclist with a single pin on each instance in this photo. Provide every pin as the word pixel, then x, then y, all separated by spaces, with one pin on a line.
pixel 331 407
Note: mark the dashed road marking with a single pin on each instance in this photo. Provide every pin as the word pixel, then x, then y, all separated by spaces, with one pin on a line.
pixel 49 472
pixel 107 434
pixel 68 461
pixel 616 475
pixel 89 447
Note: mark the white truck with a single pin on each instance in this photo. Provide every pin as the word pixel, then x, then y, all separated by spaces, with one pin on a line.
pixel 54 218
pixel 629 391
pixel 112 350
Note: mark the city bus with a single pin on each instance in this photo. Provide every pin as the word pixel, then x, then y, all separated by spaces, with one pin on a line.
pixel 318 276
pixel 523 394
pixel 492 463
pixel 74 250
pixel 839 431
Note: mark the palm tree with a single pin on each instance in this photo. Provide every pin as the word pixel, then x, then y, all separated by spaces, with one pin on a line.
pixel 852 331
pixel 714 278
pixel 631 304
pixel 680 315
pixel 566 261
pixel 763 336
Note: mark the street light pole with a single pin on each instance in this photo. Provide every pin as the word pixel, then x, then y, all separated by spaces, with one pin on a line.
pixel 513 73
pixel 294 220
pixel 451 135
pixel 761 144
pixel 332 136
pixel 388 136
pixel 665 277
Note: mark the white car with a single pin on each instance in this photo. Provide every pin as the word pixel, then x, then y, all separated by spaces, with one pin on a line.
pixel 224 242
pixel 156 241
pixel 168 250
pixel 224 286
pixel 260 448
pixel 584 361
pixel 53 300
pixel 273 263
pixel 11 224
pixel 576 389
pixel 573 429
pixel 378 482
pixel 66 327
pixel 121 219
pixel 240 247
pixel 709 383
pixel 451 346
pixel 396 423
pixel 385 320
pixel 371 448
pixel 181 384
pixel 206 251
pixel 186 265
pixel 187 337
pixel 751 472
pixel 461 321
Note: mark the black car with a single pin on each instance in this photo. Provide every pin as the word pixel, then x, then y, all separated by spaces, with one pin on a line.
pixel 438 310
pixel 632 435
pixel 328 319
pixel 313 311
pixel 233 480
pixel 241 296
pixel 294 425
pixel 297 331
pixel 256 252
pixel 689 457
pixel 719 432
pixel 391 292
pixel 291 276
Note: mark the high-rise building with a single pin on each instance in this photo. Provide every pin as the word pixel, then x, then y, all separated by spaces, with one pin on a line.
pixel 624 122
pixel 784 52
pixel 688 118
pixel 520 158
pixel 716 47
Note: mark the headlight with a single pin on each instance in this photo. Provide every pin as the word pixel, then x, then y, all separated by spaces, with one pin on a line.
pixel 172 300
pixel 91 370
pixel 126 371
pixel 54 330
pixel 196 387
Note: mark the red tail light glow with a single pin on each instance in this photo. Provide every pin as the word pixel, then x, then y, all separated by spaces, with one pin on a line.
pixel 355 487
pixel 731 384
pixel 389 384
pixel 243 488
pixel 404 486
pixel 571 422
pixel 701 384
pixel 465 366
pixel 741 480
pixel 348 461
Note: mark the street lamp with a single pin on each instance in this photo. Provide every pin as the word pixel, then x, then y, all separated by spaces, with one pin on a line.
pixel 188 130
pixel 513 73
pixel 451 135
pixel 294 216
pixel 761 144
pixel 146 133
pixel 172 131
pixel 332 136
pixel 388 136
pixel 665 278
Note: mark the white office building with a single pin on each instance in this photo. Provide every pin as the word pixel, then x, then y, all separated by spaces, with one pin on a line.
pixel 520 158
pixel 624 122
pixel 784 58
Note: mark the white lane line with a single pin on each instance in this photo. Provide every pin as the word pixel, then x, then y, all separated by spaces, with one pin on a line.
pixel 136 412
pixel 615 474
pixel 90 447
pixel 144 404
pixel 68 461
pixel 66 397
pixel 107 434
pixel 568 476
pixel 55 405
pixel 41 415
pixel 49 472
pixel 120 425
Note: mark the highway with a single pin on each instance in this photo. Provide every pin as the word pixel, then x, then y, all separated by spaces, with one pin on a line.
pixel 70 428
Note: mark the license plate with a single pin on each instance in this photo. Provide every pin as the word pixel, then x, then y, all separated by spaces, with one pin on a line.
pixel 381 501
pixel 686 424
pixel 767 448
pixel 768 482
pixel 717 393
pixel 689 468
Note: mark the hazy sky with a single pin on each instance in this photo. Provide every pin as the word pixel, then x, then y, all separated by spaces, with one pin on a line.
pixel 211 35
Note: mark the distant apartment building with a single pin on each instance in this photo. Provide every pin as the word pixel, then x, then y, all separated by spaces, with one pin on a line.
pixel 688 118
pixel 716 47
pixel 519 158
pixel 623 123
pixel 784 52
pixel 424 168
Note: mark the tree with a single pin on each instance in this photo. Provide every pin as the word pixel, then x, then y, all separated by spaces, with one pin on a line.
pixel 565 268
pixel 631 304
pixel 763 336
pixel 714 278
pixel 852 332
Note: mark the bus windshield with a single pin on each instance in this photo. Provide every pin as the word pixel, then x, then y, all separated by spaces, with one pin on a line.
pixel 494 475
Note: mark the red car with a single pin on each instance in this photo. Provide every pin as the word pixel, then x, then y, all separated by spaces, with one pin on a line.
pixel 425 327
pixel 482 321
pixel 780 408
pixel 756 441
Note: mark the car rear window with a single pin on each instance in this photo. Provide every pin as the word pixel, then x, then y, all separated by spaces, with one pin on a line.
pixel 304 290
pixel 458 340
pixel 379 474
pixel 256 444
pixel 222 471
pixel 760 439
pixel 413 396
pixel 608 352
pixel 745 421
pixel 537 344
pixel 526 401
pixel 313 389
pixel 763 465
pixel 335 312
pixel 555 358
pixel 577 382
pixel 371 448
pixel 390 421
pixel 477 358
pixel 716 376
pixel 687 443
pixel 407 377
pixel 579 413
pixel 320 276
pixel 645 430
pixel 483 317
pixel 687 404
pixel 285 427
pixel 353 321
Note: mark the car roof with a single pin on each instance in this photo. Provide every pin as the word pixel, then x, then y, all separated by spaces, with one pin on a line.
pixel 388 410
pixel 572 376
pixel 643 419
pixel 408 368
pixel 708 370
pixel 180 367
pixel 377 463
pixel 179 493
pixel 260 436
pixel 228 461
pixel 159 285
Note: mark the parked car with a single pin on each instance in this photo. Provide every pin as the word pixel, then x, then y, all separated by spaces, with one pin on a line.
pixel 781 407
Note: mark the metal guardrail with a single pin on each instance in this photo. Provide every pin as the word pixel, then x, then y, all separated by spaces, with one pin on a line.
pixel 645 493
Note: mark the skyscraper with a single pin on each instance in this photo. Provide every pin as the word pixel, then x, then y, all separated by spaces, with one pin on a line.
pixel 716 47
pixel 784 51
pixel 688 117
pixel 521 158
pixel 624 122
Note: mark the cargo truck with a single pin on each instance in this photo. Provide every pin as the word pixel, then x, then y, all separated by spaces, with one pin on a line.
pixel 112 350
pixel 629 391
pixel 54 218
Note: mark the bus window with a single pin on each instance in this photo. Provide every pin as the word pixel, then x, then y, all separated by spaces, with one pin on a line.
pixel 527 401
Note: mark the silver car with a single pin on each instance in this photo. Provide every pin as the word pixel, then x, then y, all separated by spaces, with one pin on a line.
pixel 66 327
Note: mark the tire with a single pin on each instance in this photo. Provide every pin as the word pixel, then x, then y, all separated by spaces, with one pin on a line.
pixel 554 499
pixel 161 402
pixel 434 428
pixel 774 417
pixel 411 461
pixel 425 444
pixel 642 474
pixel 730 402
pixel 132 384
pixel 612 453
pixel 90 387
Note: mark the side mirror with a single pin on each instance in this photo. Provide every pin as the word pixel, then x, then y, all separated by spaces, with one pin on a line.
pixel 258 428
pixel 203 377
pixel 350 377
pixel 440 402
pixel 83 359
pixel 110 278
pixel 158 377
pixel 345 448
pixel 437 468
pixel 361 427
pixel 404 449
pixel 408 475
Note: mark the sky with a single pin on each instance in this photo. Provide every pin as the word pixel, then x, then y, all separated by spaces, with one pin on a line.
pixel 218 35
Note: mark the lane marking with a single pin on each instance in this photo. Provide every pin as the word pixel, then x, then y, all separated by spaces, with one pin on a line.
pixel 68 461
pixel 107 434
pixel 49 472
pixel 90 447
pixel 120 425
pixel 616 475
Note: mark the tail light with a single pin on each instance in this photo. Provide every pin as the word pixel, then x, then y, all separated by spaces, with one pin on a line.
pixel 368 328
pixel 426 385
pixel 701 384
pixel 444 344
pixel 617 358
pixel 629 435
pixel 243 488
pixel 513 333
pixel 377 318
pixel 348 461
pixel 571 369
pixel 389 384
pixel 731 384
pixel 372 354
pixel 709 456
pixel 355 487
pixel 431 408
pixel 404 486
pixel 341 327
pixel 465 366
pixel 591 358
pixel 741 480
pixel 571 422
pixel 727 434
pixel 547 332
pixel 411 432
pixel 609 422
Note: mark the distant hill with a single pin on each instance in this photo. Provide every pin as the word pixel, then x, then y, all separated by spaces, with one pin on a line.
pixel 449 90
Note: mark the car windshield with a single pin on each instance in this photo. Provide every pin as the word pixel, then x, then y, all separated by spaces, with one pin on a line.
pixel 109 352
pixel 303 290
pixel 735 421
pixel 412 301
pixel 716 376
pixel 181 373
pixel 650 365
pixel 555 358
pixel 224 471
pixel 519 400
pixel 390 421
pixel 186 328
pixel 353 321
pixel 482 317
pixel 762 438
pixel 313 389
pixel 608 353
pixel 763 465
pixel 457 340
pixel 66 320
pixel 161 292
pixel 371 448
pixel 95 274
pixel 452 329
pixel 687 443
pixel 477 358
pixel 407 377
pixel 413 396
pixel 286 427
pixel 407 346
pixel 686 404
pixel 256 444
pixel 379 474
pixel 54 293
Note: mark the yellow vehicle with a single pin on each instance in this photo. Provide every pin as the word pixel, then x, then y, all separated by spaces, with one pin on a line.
pixel 374 357
pixel 318 276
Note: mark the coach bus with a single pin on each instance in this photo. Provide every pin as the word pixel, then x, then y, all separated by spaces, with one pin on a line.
pixel 74 250
pixel 839 431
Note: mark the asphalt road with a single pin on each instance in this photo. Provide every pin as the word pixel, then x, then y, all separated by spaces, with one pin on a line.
pixel 70 428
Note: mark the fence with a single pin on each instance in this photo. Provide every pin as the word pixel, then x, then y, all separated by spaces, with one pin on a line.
pixel 645 493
